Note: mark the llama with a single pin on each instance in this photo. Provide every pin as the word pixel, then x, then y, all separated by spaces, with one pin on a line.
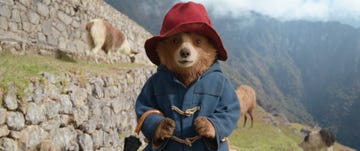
pixel 318 140
pixel 102 35
pixel 247 98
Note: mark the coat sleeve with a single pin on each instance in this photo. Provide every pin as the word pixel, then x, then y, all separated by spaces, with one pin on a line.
pixel 227 112
pixel 146 101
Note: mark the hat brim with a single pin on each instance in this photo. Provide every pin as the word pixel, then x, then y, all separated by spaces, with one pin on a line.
pixel 197 27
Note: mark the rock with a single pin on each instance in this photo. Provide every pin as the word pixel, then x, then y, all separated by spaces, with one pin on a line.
pixel 73 146
pixel 3 114
pixel 34 17
pixel 112 139
pixel 98 87
pixel 16 16
pixel 26 3
pixel 98 138
pixel 3 23
pixel 35 113
pixel 90 125
pixel 10 99
pixel 46 28
pixel 78 96
pixel 81 114
pixel 64 18
pixel 5 11
pixel 50 124
pixel 52 40
pixel 51 109
pixel 65 104
pixel 85 142
pixel 43 9
pixel 41 38
pixel 50 77
pixel 13 26
pixel 8 2
pixel 39 92
pixel 7 144
pixel 4 130
pixel 63 137
pixel 15 120
pixel 32 136
pixel 26 26
pixel 46 145
pixel 15 135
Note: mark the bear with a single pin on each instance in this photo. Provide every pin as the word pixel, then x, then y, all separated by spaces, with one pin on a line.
pixel 198 104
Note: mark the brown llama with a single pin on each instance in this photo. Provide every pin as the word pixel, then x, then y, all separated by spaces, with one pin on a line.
pixel 103 36
pixel 247 99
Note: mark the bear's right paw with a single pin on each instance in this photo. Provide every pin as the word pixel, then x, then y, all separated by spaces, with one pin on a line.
pixel 165 129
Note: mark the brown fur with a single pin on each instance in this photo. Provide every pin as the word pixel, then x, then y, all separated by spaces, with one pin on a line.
pixel 318 141
pixel 247 99
pixel 114 37
pixel 165 129
pixel 207 52
pixel 102 35
pixel 204 127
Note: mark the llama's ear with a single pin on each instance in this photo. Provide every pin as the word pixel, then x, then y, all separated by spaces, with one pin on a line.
pixel 89 26
pixel 328 137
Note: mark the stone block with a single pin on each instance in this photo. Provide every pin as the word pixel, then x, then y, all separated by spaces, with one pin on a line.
pixel 15 120
pixel 43 9
pixel 34 17
pixel 66 19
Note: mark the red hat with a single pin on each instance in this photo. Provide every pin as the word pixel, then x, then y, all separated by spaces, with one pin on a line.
pixel 185 17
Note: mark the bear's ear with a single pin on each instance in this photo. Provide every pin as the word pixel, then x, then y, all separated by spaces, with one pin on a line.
pixel 328 137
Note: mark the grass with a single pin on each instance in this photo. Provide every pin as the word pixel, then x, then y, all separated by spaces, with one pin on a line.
pixel 263 136
pixel 267 137
pixel 19 69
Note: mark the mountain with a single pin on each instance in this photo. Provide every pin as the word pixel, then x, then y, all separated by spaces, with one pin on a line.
pixel 307 70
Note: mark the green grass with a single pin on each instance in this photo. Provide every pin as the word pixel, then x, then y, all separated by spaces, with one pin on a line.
pixel 264 136
pixel 19 69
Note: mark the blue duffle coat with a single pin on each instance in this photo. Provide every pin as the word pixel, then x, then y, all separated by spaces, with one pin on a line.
pixel 212 93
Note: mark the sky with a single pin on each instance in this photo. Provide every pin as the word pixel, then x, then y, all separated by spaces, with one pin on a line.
pixel 346 11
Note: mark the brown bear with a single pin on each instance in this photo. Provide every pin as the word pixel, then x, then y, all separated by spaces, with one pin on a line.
pixel 198 103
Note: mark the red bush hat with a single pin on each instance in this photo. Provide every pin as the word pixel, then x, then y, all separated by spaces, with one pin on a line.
pixel 185 17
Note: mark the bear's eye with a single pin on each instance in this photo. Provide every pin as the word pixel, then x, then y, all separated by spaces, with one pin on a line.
pixel 197 41
pixel 175 41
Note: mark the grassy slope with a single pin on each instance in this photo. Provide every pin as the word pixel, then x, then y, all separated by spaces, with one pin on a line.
pixel 19 69
pixel 266 137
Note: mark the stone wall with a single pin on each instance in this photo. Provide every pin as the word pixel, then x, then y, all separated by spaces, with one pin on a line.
pixel 60 25
pixel 72 111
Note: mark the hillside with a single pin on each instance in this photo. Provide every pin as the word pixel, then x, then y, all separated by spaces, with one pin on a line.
pixel 271 133
pixel 307 70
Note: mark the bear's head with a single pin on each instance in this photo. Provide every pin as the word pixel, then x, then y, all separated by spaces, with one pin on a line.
pixel 187 44
pixel 188 55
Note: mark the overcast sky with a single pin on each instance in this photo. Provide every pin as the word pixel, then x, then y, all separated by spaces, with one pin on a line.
pixel 322 10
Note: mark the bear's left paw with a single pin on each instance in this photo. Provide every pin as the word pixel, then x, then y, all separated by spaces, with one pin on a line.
pixel 204 127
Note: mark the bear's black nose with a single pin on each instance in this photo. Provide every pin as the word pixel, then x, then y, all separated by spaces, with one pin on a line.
pixel 184 52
